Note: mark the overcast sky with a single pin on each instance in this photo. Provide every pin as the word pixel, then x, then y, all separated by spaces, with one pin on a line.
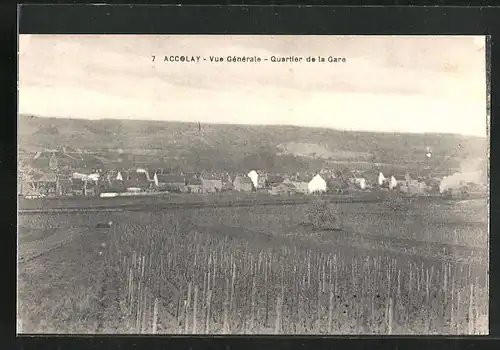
pixel 388 83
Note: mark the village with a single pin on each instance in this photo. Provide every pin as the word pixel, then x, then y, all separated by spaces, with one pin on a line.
pixel 50 175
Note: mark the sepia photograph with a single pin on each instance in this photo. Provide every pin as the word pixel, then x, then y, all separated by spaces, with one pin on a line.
pixel 253 185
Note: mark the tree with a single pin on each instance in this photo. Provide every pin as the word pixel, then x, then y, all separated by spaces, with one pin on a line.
pixel 395 203
pixel 343 174
pixel 322 215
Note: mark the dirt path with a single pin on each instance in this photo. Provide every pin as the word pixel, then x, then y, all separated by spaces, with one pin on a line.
pixel 31 250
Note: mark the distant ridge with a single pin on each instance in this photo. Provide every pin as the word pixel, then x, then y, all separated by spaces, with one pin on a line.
pixel 162 124
pixel 225 145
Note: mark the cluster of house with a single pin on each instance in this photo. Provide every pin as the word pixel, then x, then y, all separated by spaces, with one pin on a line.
pixel 140 180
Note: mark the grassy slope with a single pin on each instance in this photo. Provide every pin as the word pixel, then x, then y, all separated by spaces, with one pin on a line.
pixel 71 289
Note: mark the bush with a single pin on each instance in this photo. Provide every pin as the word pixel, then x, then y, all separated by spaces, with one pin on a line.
pixel 395 202
pixel 322 215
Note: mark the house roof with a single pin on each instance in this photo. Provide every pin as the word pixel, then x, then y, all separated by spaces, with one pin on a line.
pixel 194 182
pixel 303 178
pixel 190 174
pixel 171 178
pixel 48 177
pixel 210 178
pixel 226 178
pixel 431 182
pixel 331 182
pixel 211 181
pixel 275 179
pixel 243 180
pixel 287 185
pixel 65 182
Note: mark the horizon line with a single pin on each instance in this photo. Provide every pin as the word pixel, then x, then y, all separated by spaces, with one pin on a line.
pixel 258 125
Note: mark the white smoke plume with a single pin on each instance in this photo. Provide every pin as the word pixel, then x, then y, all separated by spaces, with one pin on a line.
pixel 472 171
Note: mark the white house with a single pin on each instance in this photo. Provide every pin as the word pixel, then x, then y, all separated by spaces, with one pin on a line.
pixel 399 181
pixel 361 182
pixel 393 183
pixel 254 177
pixel 381 179
pixel 317 184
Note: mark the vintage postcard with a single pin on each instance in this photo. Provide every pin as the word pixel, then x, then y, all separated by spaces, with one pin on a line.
pixel 195 184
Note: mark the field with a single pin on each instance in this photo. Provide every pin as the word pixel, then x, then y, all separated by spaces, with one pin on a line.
pixel 165 200
pixel 257 270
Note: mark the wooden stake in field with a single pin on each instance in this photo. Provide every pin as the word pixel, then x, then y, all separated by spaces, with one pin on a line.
pixel 372 323
pixel 143 266
pixel 252 313
pixel 458 311
pixel 471 310
pixel 138 308
pixel 260 260
pixel 124 268
pixel 225 327
pixel 233 280
pixel 195 304
pixel 266 296
pixel 445 283
pixel 422 274
pixel 204 291
pixel 324 278
pixel 130 285
pixel 144 326
pixel 155 316
pixel 308 271
pixel 300 314
pixel 195 256
pixel 186 309
pixel 318 307
pixel 399 284
pixel 214 271
pixel 330 275
pixel 410 278
pixel 353 270
pixel 427 285
pixel 209 302
pixel 150 260
pixel 452 302
pixel 330 309
pixel 389 285
pixel 389 317
pixel 180 302
pixel 277 327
